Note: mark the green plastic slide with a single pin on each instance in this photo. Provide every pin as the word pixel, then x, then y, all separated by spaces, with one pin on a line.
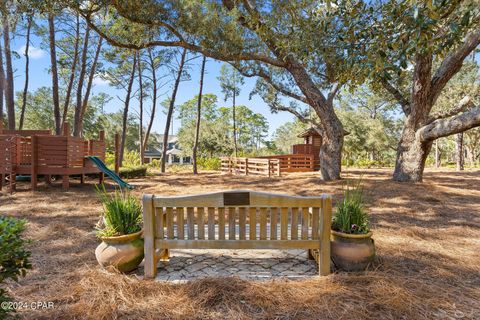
pixel 115 177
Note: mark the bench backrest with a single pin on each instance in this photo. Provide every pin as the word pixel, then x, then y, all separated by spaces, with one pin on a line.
pixel 229 215
pixel 237 219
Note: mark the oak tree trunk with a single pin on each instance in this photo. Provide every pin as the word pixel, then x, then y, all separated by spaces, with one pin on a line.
pixel 125 110
pixel 170 109
pixel 199 117
pixel 27 64
pixel 9 87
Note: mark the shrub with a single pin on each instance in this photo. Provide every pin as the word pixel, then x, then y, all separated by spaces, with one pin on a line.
pixel 122 214
pixel 135 172
pixel 131 159
pixel 14 258
pixel 155 163
pixel 350 215
pixel 209 163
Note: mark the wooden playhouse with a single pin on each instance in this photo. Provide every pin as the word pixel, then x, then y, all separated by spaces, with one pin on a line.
pixel 39 153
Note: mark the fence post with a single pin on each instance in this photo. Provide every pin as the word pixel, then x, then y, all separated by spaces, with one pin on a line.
pixel 269 172
pixel 246 166
pixel 149 236
pixel 278 168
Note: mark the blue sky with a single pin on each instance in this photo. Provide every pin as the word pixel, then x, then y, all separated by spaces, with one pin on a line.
pixel 39 76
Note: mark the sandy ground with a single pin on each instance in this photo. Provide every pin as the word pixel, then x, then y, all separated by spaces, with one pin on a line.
pixel 427 237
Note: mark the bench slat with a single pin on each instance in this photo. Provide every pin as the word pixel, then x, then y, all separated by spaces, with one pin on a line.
pixel 284 223
pixel 221 224
pixel 159 219
pixel 294 230
pixel 305 219
pixel 231 223
pixel 253 223
pixel 201 223
pixel 273 223
pixel 169 216
pixel 263 223
pixel 180 222
pixel 191 223
pixel 211 223
pixel 237 244
pixel 242 221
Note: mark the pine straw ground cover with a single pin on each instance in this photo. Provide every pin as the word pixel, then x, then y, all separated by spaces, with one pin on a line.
pixel 427 237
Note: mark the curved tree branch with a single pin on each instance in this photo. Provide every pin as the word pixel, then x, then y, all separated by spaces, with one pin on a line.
pixel 446 127
pixel 452 64
pixel 397 95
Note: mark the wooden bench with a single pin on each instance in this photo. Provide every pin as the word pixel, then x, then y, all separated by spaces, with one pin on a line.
pixel 236 219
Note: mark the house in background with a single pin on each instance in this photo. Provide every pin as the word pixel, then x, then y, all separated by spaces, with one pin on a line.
pixel 174 153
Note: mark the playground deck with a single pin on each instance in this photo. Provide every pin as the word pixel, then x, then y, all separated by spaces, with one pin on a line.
pixel 38 152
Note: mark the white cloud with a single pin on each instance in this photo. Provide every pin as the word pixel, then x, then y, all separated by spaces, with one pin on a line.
pixel 98 81
pixel 33 52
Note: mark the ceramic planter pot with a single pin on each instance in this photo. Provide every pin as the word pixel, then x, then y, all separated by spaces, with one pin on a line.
pixel 352 252
pixel 124 253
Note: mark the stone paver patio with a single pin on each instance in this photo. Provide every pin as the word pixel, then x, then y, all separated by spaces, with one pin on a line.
pixel 185 265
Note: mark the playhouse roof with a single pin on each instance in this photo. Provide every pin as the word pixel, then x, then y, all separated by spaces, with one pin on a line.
pixel 309 132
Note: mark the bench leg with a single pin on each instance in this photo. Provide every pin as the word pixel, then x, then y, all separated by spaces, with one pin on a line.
pixel 310 254
pixel 164 255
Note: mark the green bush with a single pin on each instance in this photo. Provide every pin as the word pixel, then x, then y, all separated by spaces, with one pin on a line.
pixel 122 214
pixel 133 172
pixel 155 163
pixel 209 163
pixel 14 258
pixel 350 215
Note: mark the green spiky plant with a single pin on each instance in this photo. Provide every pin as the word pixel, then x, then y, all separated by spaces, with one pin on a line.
pixel 350 215
pixel 122 213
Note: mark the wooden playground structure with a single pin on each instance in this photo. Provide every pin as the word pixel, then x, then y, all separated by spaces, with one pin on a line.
pixel 304 157
pixel 38 152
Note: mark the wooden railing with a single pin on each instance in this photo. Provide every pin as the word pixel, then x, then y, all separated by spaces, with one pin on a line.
pixel 237 219
pixel 296 162
pixel 305 149
pixel 251 166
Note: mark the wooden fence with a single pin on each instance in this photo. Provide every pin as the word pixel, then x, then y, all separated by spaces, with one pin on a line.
pixel 251 166
pixel 295 162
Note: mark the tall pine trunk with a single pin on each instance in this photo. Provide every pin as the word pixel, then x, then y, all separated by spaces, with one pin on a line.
pixel 72 72
pixel 2 84
pixel 9 87
pixel 53 61
pixel 459 151
pixel 125 109
pixel 81 78
pixel 140 127
pixel 27 65
pixel 170 109
pixel 154 100
pixel 234 125
pixel 199 117
pixel 88 89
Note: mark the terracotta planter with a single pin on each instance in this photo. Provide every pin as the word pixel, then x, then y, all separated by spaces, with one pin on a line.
pixel 352 252
pixel 124 253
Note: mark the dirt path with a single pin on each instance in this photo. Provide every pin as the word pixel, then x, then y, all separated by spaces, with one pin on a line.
pixel 427 237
